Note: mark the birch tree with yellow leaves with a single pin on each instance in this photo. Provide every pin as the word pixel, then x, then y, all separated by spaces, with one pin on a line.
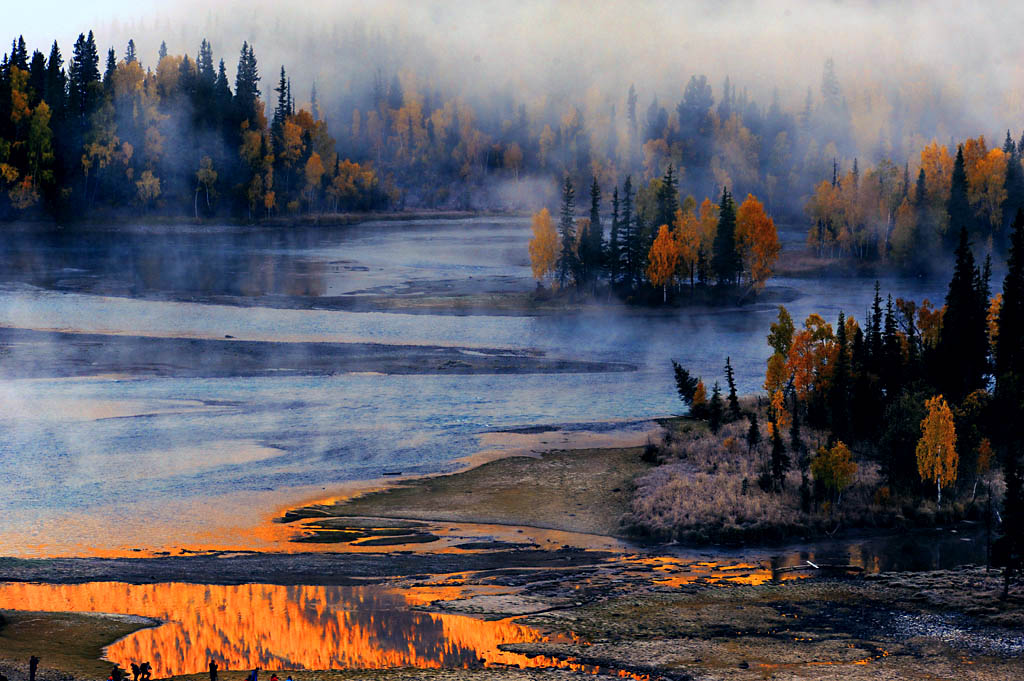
pixel 937 460
pixel 662 260
pixel 543 246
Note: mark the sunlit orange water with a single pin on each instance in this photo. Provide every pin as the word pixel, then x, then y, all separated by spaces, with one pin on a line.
pixel 282 627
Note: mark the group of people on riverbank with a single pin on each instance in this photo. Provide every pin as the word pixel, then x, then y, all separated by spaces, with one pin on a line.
pixel 144 672
pixel 140 672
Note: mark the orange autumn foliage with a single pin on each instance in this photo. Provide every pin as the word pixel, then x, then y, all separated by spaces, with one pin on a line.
pixel 708 223
pixel 937 459
pixel 757 241
pixel 687 236
pixel 662 259
pixel 543 245
pixel 812 357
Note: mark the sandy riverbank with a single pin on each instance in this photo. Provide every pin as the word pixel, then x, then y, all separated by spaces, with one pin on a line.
pixel 647 614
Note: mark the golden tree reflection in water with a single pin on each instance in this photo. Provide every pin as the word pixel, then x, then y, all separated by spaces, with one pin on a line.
pixel 281 627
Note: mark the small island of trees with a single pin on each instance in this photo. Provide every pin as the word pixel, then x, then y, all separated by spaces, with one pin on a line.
pixel 657 248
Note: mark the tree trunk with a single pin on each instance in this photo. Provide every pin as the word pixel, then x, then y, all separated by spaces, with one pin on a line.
pixel 195 204
pixel 938 486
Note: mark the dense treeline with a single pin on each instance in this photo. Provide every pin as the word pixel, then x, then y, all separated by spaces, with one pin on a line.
pixel 932 395
pixel 655 244
pixel 909 215
pixel 120 134
pixel 76 141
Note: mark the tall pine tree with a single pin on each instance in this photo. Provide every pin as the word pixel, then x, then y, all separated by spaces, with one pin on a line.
pixel 959 207
pixel 591 243
pixel 1009 357
pixel 839 390
pixel 725 259
pixel 613 253
pixel 962 353
pixel 730 379
pixel 568 259
pixel 628 238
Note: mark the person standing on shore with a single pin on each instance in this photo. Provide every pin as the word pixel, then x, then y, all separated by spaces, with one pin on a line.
pixel 213 671
pixel 33 663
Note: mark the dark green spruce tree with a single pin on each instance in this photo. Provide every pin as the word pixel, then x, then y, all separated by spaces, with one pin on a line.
pixel 839 391
pixel 591 243
pixel 962 352
pixel 1014 187
pixel 686 384
pixel 667 199
pixel 108 73
pixel 730 380
pixel 613 252
pixel 959 207
pixel 874 345
pixel 568 266
pixel 36 78
pixel 715 409
pixel 892 354
pixel 247 90
pixel 1009 405
pixel 725 259
pixel 1009 359
pixel 753 432
pixel 628 238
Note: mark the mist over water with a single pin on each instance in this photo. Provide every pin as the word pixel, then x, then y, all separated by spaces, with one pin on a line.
pixel 101 462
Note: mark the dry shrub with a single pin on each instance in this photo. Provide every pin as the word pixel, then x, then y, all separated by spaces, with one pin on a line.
pixel 707 491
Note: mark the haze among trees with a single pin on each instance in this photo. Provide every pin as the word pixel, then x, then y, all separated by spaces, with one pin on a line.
pixel 912 214
pixel 175 137
pixel 86 132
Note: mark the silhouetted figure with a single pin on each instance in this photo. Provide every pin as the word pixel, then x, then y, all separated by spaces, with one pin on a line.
pixel 213 671
pixel 115 674
pixel 273 677
pixel 145 672
pixel 3 678
pixel 33 663
pixel 255 676
pixel 135 672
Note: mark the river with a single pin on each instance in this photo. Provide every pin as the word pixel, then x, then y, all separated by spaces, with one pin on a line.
pixel 103 464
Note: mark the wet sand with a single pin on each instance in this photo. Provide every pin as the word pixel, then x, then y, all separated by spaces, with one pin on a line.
pixel 49 354
pixel 577 490
pixel 482 296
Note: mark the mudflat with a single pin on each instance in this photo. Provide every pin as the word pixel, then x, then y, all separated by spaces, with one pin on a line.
pixel 47 354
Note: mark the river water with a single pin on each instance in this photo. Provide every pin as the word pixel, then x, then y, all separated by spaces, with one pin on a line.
pixel 101 464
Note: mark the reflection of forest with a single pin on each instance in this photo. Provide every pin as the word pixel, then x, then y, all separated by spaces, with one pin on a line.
pixel 279 627
pixel 237 264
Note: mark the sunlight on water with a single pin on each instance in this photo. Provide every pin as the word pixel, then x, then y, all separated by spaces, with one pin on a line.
pixel 283 627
